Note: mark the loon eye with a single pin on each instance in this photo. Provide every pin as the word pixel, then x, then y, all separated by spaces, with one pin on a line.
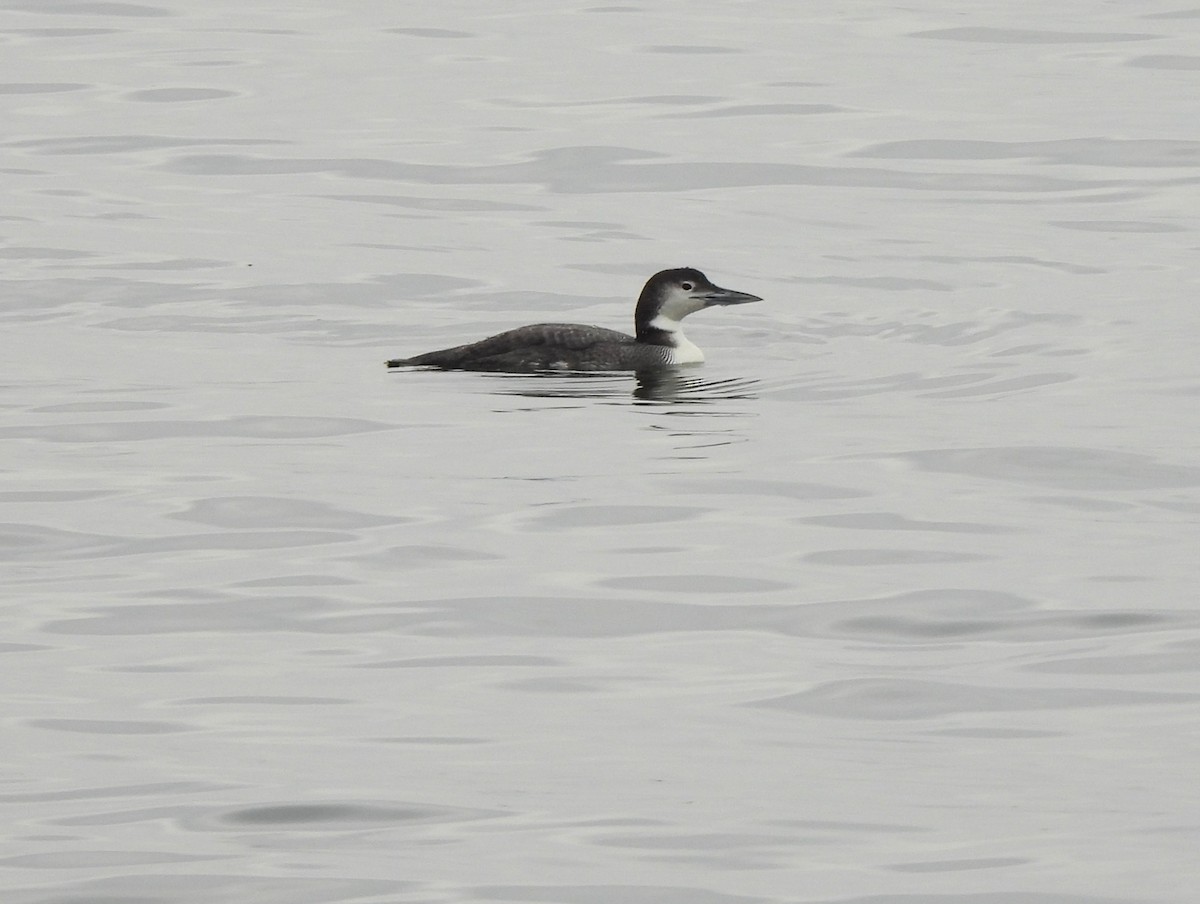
pixel 687 286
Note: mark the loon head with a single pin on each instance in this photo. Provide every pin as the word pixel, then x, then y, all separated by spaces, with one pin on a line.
pixel 671 295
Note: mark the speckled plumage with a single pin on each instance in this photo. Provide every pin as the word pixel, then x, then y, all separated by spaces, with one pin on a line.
pixel 547 346
pixel 667 298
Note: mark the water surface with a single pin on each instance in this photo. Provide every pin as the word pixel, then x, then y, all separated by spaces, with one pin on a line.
pixel 891 601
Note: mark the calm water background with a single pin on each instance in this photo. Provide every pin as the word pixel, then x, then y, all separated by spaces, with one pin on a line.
pixel 894 600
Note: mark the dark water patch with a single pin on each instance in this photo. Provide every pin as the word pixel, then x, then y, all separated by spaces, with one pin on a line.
pixel 260 700
pixel 984 897
pixel 440 33
pixel 691 49
pixel 560 517
pixel 1171 659
pixel 130 816
pixel 736 110
pixel 999 387
pixel 59 32
pixel 110 726
pixel 248 426
pixel 380 291
pixel 275 512
pixel 297 328
pixel 942 615
pixel 723 485
pixel 957 866
pixel 105 792
pixel 585 225
pixel 298 580
pixel 422 556
pixel 610 893
pixel 172 265
pixel 465 662
pixel 177 886
pixel 31 253
pixel 893 521
pixel 871 558
pixel 1083 503
pixel 430 740
pixel 1112 152
pixel 1061 467
pixel 883 283
pixel 900 699
pixel 841 826
pixel 33 542
pixel 997 734
pixel 92 145
pixel 608 170
pixel 100 860
pixel 177 613
pixel 1185 506
pixel 178 95
pixel 1118 226
pixel 1033 348
pixel 556 617
pixel 697 841
pixel 455 205
pixel 991 35
pixel 694 583
pixel 556 685
pixel 87 7
pixel 951 334
pixel 42 87
pixel 99 407
pixel 343 815
pixel 234 541
pixel 651 100
pixel 1192 13
pixel 1176 62
pixel 915 618
pixel 95 8
pixel 8 647
pixel 1017 259
pixel 706 850
pixel 978 384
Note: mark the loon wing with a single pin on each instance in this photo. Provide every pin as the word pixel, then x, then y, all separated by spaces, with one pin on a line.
pixel 538 345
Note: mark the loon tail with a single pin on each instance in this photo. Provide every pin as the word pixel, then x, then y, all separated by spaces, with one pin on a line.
pixel 446 357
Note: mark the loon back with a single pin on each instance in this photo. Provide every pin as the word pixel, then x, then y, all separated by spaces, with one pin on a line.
pixel 544 346
pixel 666 299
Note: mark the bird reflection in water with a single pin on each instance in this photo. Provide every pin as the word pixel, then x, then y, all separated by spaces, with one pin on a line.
pixel 657 386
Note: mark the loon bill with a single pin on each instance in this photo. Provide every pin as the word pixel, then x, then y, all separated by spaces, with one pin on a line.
pixel 659 343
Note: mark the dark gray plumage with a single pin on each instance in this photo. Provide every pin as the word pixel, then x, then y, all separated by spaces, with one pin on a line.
pixel 666 299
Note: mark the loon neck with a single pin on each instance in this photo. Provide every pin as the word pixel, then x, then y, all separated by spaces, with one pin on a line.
pixel 652 335
pixel 659 330
pixel 667 332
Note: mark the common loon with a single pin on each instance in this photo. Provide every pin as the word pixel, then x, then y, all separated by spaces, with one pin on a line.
pixel 667 298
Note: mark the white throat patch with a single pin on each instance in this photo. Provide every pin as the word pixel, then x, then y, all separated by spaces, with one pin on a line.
pixel 683 350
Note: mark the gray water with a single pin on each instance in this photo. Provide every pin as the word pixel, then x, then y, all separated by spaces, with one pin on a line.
pixel 892 601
